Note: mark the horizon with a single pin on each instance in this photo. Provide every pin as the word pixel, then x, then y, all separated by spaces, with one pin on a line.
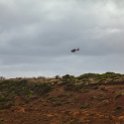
pixel 54 76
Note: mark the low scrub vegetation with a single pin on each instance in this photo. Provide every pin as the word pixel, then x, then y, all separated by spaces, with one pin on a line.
pixel 28 88
pixel 10 89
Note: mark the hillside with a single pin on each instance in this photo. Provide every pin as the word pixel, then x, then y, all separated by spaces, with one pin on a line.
pixel 86 99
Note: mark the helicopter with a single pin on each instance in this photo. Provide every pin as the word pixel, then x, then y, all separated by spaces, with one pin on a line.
pixel 75 50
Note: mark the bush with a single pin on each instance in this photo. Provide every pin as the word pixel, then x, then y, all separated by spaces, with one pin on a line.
pixel 88 75
pixel 5 102
pixel 41 88
pixel 68 79
pixel 110 75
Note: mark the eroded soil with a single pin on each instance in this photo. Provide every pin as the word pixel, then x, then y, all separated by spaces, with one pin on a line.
pixel 92 105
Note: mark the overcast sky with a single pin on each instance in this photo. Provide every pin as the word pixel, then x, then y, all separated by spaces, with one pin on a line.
pixel 36 37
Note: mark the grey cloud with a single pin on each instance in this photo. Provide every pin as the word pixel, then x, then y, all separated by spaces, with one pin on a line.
pixel 41 34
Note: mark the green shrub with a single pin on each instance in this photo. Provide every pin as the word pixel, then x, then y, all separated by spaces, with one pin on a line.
pixel 88 75
pixel 68 79
pixel 41 88
pixel 5 102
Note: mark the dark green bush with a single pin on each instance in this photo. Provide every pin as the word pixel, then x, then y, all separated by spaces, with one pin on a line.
pixel 41 88
pixel 88 75
pixel 68 79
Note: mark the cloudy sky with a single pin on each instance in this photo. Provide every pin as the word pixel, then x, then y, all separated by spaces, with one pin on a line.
pixel 36 37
